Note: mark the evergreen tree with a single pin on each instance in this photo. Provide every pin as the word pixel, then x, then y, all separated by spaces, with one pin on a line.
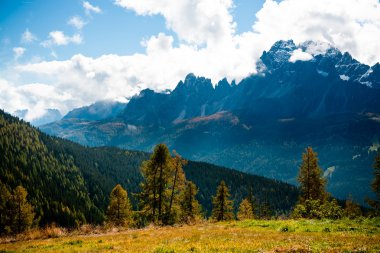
pixel 376 187
pixel 310 178
pixel 252 200
pixel 119 210
pixel 156 173
pixel 245 210
pixel 22 211
pixel 5 197
pixel 222 205
pixel 351 209
pixel 190 208
pixel 177 186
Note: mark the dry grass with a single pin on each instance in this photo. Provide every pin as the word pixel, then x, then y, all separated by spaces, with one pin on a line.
pixel 243 236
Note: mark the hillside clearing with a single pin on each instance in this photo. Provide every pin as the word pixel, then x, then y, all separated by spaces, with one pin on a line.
pixel 237 236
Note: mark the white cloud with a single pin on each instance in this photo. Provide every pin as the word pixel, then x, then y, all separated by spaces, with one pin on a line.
pixel 58 38
pixel 349 25
pixel 207 45
pixel 18 52
pixel 299 55
pixel 28 37
pixel 194 21
pixel 77 22
pixel 88 7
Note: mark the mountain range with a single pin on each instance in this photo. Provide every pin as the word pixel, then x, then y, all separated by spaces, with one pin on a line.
pixel 309 94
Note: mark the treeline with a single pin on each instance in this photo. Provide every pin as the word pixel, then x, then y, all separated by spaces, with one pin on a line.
pixel 61 182
pixel 69 185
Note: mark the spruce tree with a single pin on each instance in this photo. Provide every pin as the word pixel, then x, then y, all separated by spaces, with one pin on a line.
pixel 119 211
pixel 245 210
pixel 190 208
pixel 222 205
pixel 310 178
pixel 22 211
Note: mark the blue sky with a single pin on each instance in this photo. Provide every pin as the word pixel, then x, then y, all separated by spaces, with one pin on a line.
pixel 57 54
pixel 112 31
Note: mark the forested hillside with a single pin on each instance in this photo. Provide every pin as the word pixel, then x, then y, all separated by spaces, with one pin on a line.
pixel 69 184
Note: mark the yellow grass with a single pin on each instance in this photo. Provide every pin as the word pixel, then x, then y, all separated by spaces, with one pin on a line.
pixel 237 236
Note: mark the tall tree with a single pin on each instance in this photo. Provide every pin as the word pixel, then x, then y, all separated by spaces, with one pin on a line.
pixel 310 178
pixel 156 173
pixel 178 180
pixel 376 186
pixel 190 208
pixel 222 205
pixel 119 210
pixel 245 210
pixel 23 213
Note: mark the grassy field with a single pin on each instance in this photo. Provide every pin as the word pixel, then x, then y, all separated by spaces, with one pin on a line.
pixel 238 236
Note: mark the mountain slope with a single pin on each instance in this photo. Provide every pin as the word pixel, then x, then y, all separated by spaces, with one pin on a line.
pixel 69 184
pixel 329 101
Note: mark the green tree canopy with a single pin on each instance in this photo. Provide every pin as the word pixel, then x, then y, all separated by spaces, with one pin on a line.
pixel 190 208
pixel 119 210
pixel 222 205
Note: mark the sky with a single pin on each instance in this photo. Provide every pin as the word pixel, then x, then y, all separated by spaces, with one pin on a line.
pixel 66 54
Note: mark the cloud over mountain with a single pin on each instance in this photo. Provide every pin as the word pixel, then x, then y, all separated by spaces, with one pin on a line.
pixel 202 39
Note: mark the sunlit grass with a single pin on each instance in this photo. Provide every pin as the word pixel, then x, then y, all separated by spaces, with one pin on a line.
pixel 238 236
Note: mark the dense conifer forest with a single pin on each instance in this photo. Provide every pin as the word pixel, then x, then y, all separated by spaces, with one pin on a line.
pixel 69 184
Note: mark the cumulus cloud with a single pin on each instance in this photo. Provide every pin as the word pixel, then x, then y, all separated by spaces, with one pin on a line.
pixel 204 42
pixel 89 8
pixel 349 25
pixel 58 38
pixel 18 52
pixel 28 37
pixel 77 22
pixel 194 21
pixel 299 55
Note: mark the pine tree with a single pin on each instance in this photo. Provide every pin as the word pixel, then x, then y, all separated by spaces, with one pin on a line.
pixel 119 210
pixel 190 208
pixel 351 209
pixel 376 187
pixel 5 197
pixel 245 210
pixel 156 173
pixel 222 205
pixel 251 198
pixel 23 214
pixel 310 178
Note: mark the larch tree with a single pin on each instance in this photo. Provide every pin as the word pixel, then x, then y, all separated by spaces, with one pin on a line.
pixel 178 181
pixel 156 174
pixel 119 211
pixel 222 205
pixel 310 178
pixel 245 210
pixel 22 210
pixel 190 208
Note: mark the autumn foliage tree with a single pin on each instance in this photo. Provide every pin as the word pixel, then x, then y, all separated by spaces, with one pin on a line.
pixel 190 207
pixel 310 178
pixel 22 214
pixel 222 205
pixel 245 210
pixel 119 211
